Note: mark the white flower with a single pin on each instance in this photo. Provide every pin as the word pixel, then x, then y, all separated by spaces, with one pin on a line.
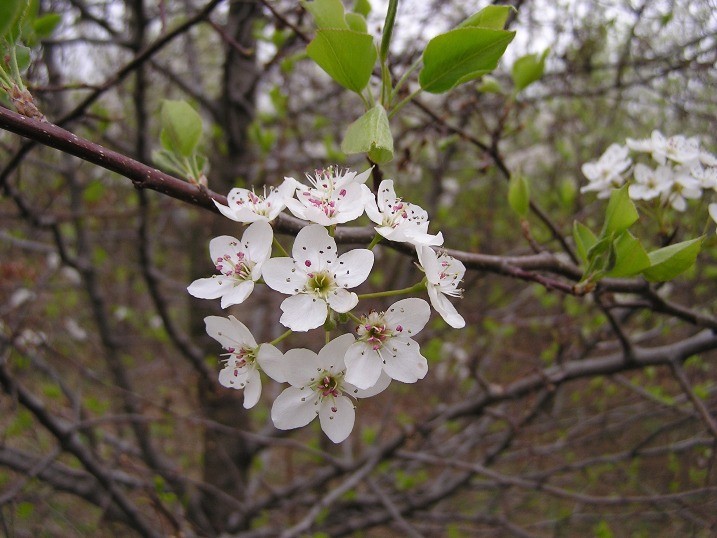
pixel 650 183
pixel 683 187
pixel 706 176
pixel 385 345
pixel 318 388
pixel 443 274
pixel 398 220
pixel 677 148
pixel 712 208
pixel 606 173
pixel 316 278
pixel 245 206
pixel 244 357
pixel 240 263
pixel 335 197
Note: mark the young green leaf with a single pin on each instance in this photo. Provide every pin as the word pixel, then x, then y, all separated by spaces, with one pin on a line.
pixel 668 262
pixel 362 7
pixel 519 195
pixel 630 256
pixel 181 127
pixel 45 25
pixel 327 13
pixel 347 56
pixel 370 134
pixel 461 55
pixel 356 23
pixel 10 12
pixel 489 84
pixel 620 213
pixel 584 240
pixel 528 69
pixel 489 17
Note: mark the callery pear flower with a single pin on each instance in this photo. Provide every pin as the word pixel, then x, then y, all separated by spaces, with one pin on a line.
pixel 246 206
pixel 318 387
pixel 334 197
pixel 443 274
pixel 316 278
pixel 239 263
pixel 677 149
pixel 398 220
pixel 683 187
pixel 385 345
pixel 244 357
pixel 650 183
pixel 606 173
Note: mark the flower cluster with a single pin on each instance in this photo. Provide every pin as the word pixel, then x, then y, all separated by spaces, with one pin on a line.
pixel 318 281
pixel 679 170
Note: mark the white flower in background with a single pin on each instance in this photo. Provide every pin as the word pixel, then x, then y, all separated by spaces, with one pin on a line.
pixel 678 148
pixel 443 274
pixel 683 187
pixel 385 345
pixel 318 388
pixel 706 176
pixel 246 206
pixel 712 208
pixel 398 220
pixel 334 197
pixel 239 263
pixel 244 357
pixel 316 278
pixel 650 183
pixel 606 173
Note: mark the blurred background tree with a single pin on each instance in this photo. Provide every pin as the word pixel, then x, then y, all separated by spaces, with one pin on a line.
pixel 550 414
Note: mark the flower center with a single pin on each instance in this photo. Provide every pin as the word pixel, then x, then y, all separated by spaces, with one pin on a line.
pixel 373 330
pixel 242 356
pixel 320 283
pixel 238 267
pixel 328 385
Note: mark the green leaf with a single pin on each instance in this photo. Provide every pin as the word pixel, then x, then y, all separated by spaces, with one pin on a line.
pixel 630 256
pixel 356 23
pixel 347 56
pixel 363 7
pixel 584 239
pixel 620 214
pixel 327 13
pixel 10 12
pixel 519 195
pixel 370 134
pixel 461 55
pixel 527 69
pixel 22 53
pixel 489 17
pixel 45 25
pixel 181 127
pixel 490 84
pixel 668 262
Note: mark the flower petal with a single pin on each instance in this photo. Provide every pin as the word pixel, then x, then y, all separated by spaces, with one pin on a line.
pixel 294 408
pixel 363 366
pixel 238 293
pixel 252 389
pixel 342 300
pixel 303 312
pixel 404 361
pixel 353 267
pixel 337 418
pixel 382 384
pixel 258 238
pixel 300 367
pixel 271 361
pixel 210 288
pixel 280 274
pixel 428 259
pixel 411 315
pixel 314 248
pixel 232 377
pixel 229 332
pixel 331 356
pixel 224 244
pixel 444 307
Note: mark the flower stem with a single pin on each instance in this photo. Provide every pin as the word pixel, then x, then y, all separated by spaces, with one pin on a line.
pixel 375 241
pixel 353 317
pixel 280 338
pixel 420 286
pixel 281 249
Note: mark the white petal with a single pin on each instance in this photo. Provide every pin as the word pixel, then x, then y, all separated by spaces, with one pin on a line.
pixel 232 377
pixel 386 195
pixel 372 210
pixel 342 300
pixel 712 208
pixel 363 366
pixel 294 408
pixel 272 362
pixel 382 384
pixel 410 314
pixel 252 389
pixel 422 238
pixel 224 244
pixel 301 367
pixel 314 248
pixel 444 307
pixel 337 418
pixel 226 211
pixel 210 288
pixel 258 238
pixel 238 293
pixel 303 312
pixel 331 356
pixel 404 361
pixel 229 332
pixel 280 274
pixel 353 267
pixel 428 259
